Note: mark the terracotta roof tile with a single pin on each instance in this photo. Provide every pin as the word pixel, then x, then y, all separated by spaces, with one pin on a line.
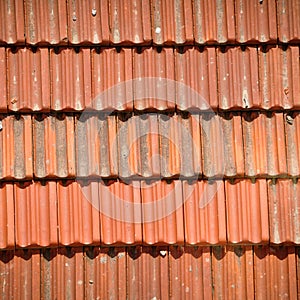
pixel 284 208
pixel 54 148
pixel 96 146
pixel 172 22
pixel 190 272
pixel 292 131
pixel 35 214
pixel 88 22
pixel 28 80
pixel 7 231
pixel 12 22
pixel 238 78
pixel 275 274
pixel 3 78
pixel 130 22
pixel 45 22
pixel 196 70
pixel 247 211
pixel 71 79
pixel 204 212
pixel 105 273
pixel 111 69
pixel 148 270
pixel 16 148
pixel 162 212
pixel 279 74
pixel 121 214
pixel 233 145
pixel 214 21
pixel 287 18
pixel 255 21
pixel 158 65
pixel 264 144
pixel 232 272
pixel 78 220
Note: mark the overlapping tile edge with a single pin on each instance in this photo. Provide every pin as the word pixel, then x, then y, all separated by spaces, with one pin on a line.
pixel 202 272
pixel 159 23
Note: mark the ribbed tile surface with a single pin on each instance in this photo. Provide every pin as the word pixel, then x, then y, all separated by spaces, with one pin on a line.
pixel 12 22
pixel 284 208
pixel 255 21
pixel 71 79
pixel 3 95
pixel 204 212
pixel 247 211
pixel 35 214
pixel 288 20
pixel 88 22
pixel 172 22
pixel 6 216
pixel 111 75
pixel 235 272
pixel 28 80
pixel 54 146
pixel 46 22
pixel 130 22
pixel 196 75
pixel 16 148
pixel 214 21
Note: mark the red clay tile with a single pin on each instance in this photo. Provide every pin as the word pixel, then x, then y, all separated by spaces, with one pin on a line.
pixel 180 151
pixel 288 20
pixel 78 216
pixel 35 214
pixel 212 145
pixel 71 79
pixel 238 83
pixel 190 273
pixel 233 145
pixel 46 22
pixel 105 273
pixel 130 22
pixel 232 272
pixel 12 22
pixel 54 149
pixel 28 80
pixel 154 75
pixel 172 22
pixel 88 22
pixel 247 211
pixel 16 148
pixel 197 76
pixel 25 274
pixel 275 272
pixel 3 95
pixel 255 21
pixel 284 208
pixel 264 144
pixel 120 207
pixel 204 212
pixel 162 212
pixel 111 75
pixel 96 146
pixel 147 273
pixel 279 73
pixel 7 230
pixel 213 21
pixel 292 135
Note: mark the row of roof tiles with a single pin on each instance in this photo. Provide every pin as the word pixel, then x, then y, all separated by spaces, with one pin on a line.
pixel 150 145
pixel 239 272
pixel 131 22
pixel 149 213
pixel 71 80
